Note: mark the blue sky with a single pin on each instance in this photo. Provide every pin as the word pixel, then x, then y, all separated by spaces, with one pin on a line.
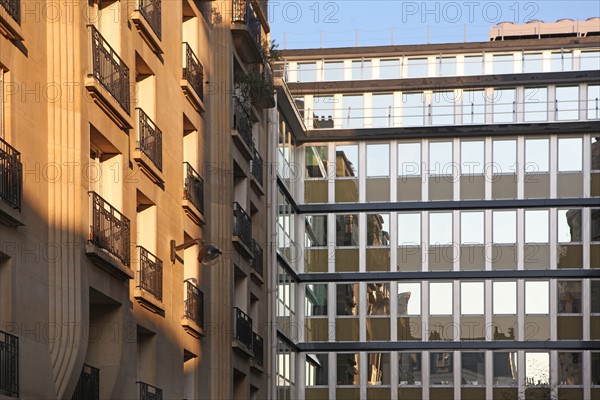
pixel 311 23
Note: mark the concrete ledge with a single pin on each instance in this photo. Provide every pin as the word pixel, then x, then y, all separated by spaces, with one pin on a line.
pixel 9 27
pixel 148 167
pixel 192 212
pixel 149 302
pixel 241 247
pixel 256 366
pixel 10 216
pixel 108 262
pixel 241 348
pixel 108 104
pixel 256 186
pixel 147 32
pixel 192 96
pixel 244 43
pixel 241 144
pixel 191 327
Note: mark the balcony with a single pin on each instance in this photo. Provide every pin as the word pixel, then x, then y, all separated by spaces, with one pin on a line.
pixel 242 129
pixel 9 364
pixel 147 19
pixel 148 149
pixel 88 386
pixel 258 349
pixel 108 81
pixel 257 258
pixel 246 31
pixel 11 186
pixel 10 19
pixel 148 290
pixel 193 194
pixel 256 170
pixel 192 81
pixel 242 230
pixel 193 317
pixel 242 331
pixel 262 88
pixel 149 392
pixel 109 242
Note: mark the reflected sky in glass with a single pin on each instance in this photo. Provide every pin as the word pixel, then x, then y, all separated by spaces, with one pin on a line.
pixel 378 160
pixel 409 159
pixel 472 298
pixel 504 156
pixel 536 226
pixel 440 298
pixel 570 154
pixel 409 298
pixel 536 297
pixel 440 158
pixel 440 228
pixel 504 297
pixel 351 154
pixel 472 156
pixel 472 227
pixel 409 229
pixel 504 227
pixel 537 155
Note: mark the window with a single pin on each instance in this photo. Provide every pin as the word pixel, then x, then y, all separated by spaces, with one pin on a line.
pixel 536 226
pixel 570 154
pixel 440 298
pixel 378 299
pixel 440 229
pixel 569 369
pixel 361 69
pixel 316 161
pixel 589 60
pixel 347 369
pixel 503 64
pixel 409 298
pixel 317 369
pixel 504 226
pixel 473 65
pixel 346 161
pixel 532 62
pixel 378 229
pixel 285 367
pixel 567 103
pixel 472 155
pixel 536 104
pixel 389 69
pixel 472 227
pixel 472 301
pixel 594 303
pixel 307 72
pixel 352 111
pixel 537 369
pixel 347 299
pixel 473 369
pixel 595 154
pixel 504 156
pixel 595 225
pixel 440 158
pixel 504 298
pixel 346 230
pixel 378 160
pixel 446 66
pixel 537 155
pixel 333 71
pixel 504 105
pixel 593 102
pixel 595 368
pixel 409 229
pixel 569 297
pixel 413 109
pixel 569 226
pixel 315 233
pixel 416 68
pixel 442 112
pixel 562 61
pixel 441 368
pixel 473 107
pixel 378 369
pixel 409 369
pixel 323 107
pixel 409 159
pixel 505 369
pixel 381 113
pixel 316 300
pixel 536 297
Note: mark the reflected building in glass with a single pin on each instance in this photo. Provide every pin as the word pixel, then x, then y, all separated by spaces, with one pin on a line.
pixel 443 221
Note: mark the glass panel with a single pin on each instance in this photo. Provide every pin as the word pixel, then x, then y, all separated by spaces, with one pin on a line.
pixel 589 60
pixel 567 103
pixel 504 227
pixel 409 229
pixel 536 104
pixel 416 67
pixel 316 300
pixel 537 155
pixel 473 107
pixel 504 105
pixel 594 303
pixel 473 65
pixel 472 155
pixel 570 154
pixel 569 226
pixel 595 225
pixel 382 110
pixel 378 369
pixel 442 104
pixel 307 72
pixel 347 369
pixel 389 69
pixel 378 299
pixel 317 369
pixel 472 299
pixel 472 227
pixel 562 61
pixel 333 71
pixel 440 228
pixel 361 69
pixel 323 111
pixel 346 161
pixel 503 64
pixel 347 299
pixel 346 230
pixel 569 369
pixel 473 369
pixel 378 160
pixel 413 109
pixel 536 226
pixel 537 369
pixel 532 62
pixel 316 231
pixel 409 369
pixel 536 297
pixel 504 156
pixel 440 298
pixel 352 111
pixel 441 367
pixel 440 158
pixel 593 102
pixel 316 161
pixel 504 298
pixel 409 298
pixel 569 297
pixel 595 368
pixel 505 369
pixel 409 159
pixel 378 229
pixel 446 66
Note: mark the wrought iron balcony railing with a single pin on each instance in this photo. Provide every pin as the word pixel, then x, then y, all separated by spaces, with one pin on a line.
pixel 11 175
pixel 150 273
pixel 149 392
pixel 256 167
pixel 258 348
pixel 257 258
pixel 13 8
pixel 88 386
pixel 9 364
pixel 242 327
pixel 109 229
pixel 242 225
pixel 242 122
pixel 151 10
pixel 194 304
pixel 243 13
pixel 149 139
pixel 193 72
pixel 193 187
pixel 109 70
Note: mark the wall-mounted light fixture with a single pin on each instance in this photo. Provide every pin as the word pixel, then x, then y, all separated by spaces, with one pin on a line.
pixel 208 253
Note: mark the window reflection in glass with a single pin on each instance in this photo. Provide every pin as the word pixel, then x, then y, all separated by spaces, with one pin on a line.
pixel 504 227
pixel 503 64
pixel 378 160
pixel 472 299
pixel 472 156
pixel 504 156
pixel 536 104
pixel 562 61
pixel 346 161
pixel 504 298
pixel 323 107
pixel 569 297
pixel 532 62
pixel 595 149
pixel 472 227
pixel 416 67
pixel 440 158
pixel 413 109
pixel 378 369
pixel 446 66
pixel 569 369
pixel 378 229
pixel 333 71
pixel 595 225
pixel 505 369
pixel 589 60
pixel 361 69
pixel 346 230
pixel 536 226
pixel 567 103
pixel 352 111
pixel 347 369
pixel 440 298
pixel 409 369
pixel 537 155
pixel 409 298
pixel 569 226
pixel 382 110
pixel 378 299
pixel 504 105
pixel 409 229
pixel 570 154
pixel 473 369
pixel 441 368
pixel 316 300
pixel 409 159
pixel 536 297
pixel 595 368
pixel 473 106
pixel 594 303
pixel 593 102
pixel 440 228
pixel 347 299
pixel 315 231
pixel 537 369
pixel 307 72
pixel 316 161
pixel 317 369
pixel 473 65
pixel 442 104
pixel 389 69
